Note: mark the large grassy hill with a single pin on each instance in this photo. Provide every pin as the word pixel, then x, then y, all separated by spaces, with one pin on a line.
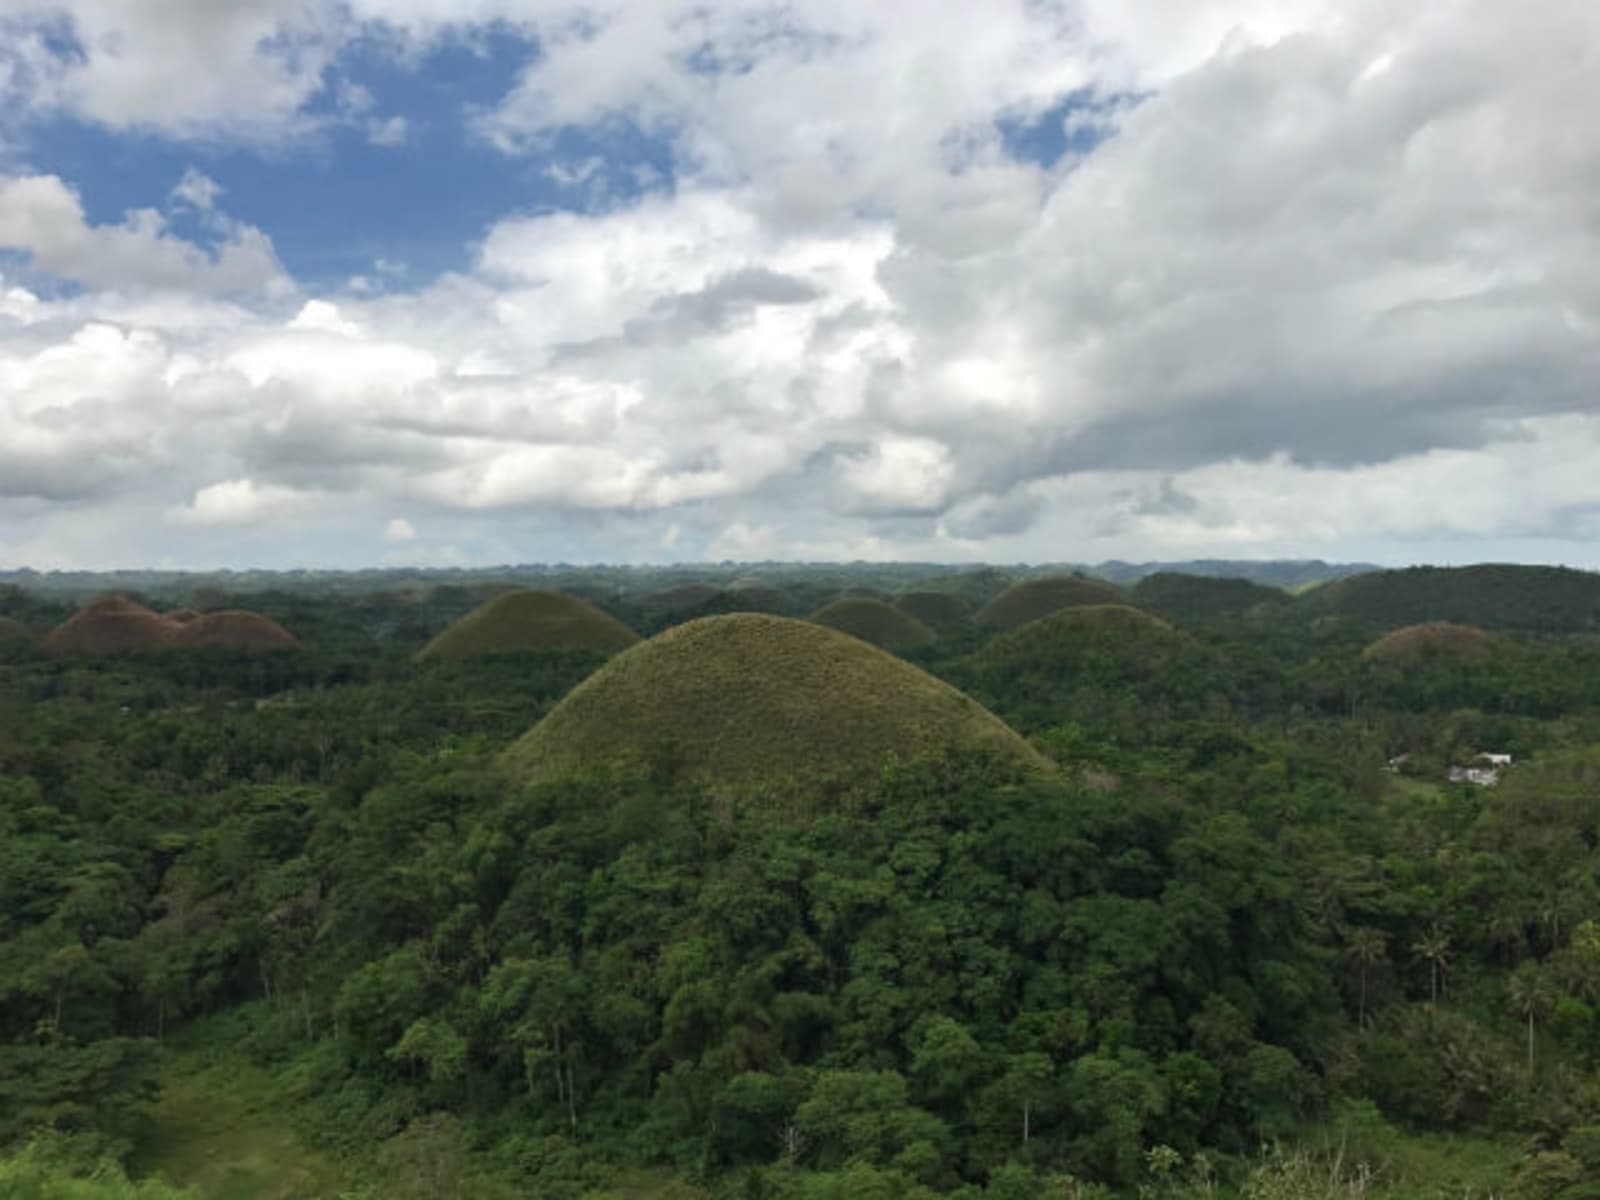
pixel 1046 671
pixel 1035 598
pixel 530 620
pixel 874 621
pixel 1203 598
pixel 757 703
pixel 1490 595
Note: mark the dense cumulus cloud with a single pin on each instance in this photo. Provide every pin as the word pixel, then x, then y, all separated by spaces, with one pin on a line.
pixel 1065 280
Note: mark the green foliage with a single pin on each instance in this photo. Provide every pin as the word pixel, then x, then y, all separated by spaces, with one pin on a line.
pixel 305 893
pixel 50 1169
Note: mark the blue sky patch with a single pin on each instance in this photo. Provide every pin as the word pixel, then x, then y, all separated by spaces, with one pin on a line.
pixel 337 203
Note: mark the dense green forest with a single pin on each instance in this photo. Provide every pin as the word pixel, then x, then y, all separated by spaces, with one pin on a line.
pixel 295 923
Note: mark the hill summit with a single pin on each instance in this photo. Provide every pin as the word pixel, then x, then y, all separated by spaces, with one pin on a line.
pixel 1421 641
pixel 530 620
pixel 755 703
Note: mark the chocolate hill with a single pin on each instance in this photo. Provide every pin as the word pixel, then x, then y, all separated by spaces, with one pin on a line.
pixel 762 705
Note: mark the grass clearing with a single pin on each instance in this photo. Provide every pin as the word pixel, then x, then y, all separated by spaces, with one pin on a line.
pixel 218 1130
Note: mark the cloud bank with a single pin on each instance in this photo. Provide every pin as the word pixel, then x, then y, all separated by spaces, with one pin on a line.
pixel 1073 281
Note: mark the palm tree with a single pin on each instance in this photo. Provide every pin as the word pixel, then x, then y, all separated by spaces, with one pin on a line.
pixel 1366 948
pixel 1528 993
pixel 1434 946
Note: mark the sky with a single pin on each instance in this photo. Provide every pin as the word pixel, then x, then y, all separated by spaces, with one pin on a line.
pixel 305 283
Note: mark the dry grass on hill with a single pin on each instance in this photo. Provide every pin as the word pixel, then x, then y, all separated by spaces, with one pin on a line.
pixel 112 624
pixel 1435 638
pixel 233 628
pixel 117 624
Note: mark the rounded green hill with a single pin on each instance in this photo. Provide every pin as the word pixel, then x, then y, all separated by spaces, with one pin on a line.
pixel 1180 597
pixel 874 621
pixel 762 704
pixel 1035 598
pixel 1101 637
pixel 938 610
pixel 1435 639
pixel 530 620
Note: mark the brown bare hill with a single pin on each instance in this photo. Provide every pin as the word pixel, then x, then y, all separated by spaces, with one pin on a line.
pixel 112 624
pixel 1035 598
pixel 530 620
pixel 1435 639
pixel 235 629
pixel 761 705
pixel 182 616
pixel 874 621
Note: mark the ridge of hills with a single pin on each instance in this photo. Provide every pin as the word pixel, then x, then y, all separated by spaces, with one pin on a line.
pixel 1492 596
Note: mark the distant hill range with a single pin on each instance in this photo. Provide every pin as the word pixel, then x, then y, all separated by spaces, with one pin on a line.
pixel 1286 573
pixel 1505 596
pixel 606 580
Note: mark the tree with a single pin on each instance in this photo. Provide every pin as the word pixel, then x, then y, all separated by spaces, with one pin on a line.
pixel 1434 948
pixel 1529 995
pixel 1366 948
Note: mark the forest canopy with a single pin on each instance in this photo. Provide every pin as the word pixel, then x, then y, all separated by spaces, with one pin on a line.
pixel 1243 934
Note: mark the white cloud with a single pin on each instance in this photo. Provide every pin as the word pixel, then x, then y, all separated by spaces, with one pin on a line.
pixel 197 190
pixel 1325 285
pixel 190 67
pixel 399 531
pixel 243 502
pixel 40 216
